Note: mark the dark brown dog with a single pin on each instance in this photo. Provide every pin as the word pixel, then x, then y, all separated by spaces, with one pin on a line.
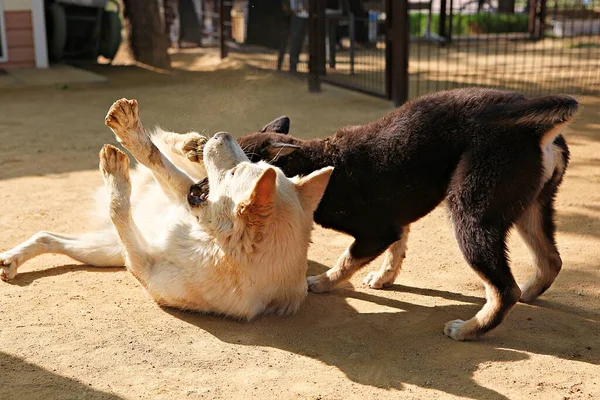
pixel 496 157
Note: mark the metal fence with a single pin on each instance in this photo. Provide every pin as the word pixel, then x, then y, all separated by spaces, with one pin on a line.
pixel 534 46
pixel 400 49
pixel 355 45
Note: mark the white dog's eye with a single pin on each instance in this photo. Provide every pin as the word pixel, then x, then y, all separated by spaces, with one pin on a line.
pixel 232 172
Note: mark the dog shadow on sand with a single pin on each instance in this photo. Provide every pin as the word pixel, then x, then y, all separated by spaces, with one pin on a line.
pixel 402 343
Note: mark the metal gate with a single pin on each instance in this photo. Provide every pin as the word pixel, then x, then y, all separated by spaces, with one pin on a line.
pixel 399 49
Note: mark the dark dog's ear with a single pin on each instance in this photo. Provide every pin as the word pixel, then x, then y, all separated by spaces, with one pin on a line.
pixel 279 125
pixel 277 150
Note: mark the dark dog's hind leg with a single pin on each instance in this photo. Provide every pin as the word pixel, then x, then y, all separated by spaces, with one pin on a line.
pixel 485 199
pixel 538 229
pixel 485 250
pixel 360 253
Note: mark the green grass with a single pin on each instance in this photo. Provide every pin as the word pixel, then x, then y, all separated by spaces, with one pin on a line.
pixel 472 23
pixel 585 45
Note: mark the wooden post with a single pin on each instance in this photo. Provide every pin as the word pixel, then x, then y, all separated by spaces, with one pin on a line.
pixel 224 26
pixel 450 17
pixel 442 21
pixel 388 49
pixel 532 18
pixel 398 40
pixel 541 23
pixel 316 44
pixel 322 36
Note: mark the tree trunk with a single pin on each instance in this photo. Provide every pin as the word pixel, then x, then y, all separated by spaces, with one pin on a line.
pixel 148 38
pixel 506 6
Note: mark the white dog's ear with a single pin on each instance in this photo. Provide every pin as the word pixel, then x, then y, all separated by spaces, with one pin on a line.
pixel 260 202
pixel 312 187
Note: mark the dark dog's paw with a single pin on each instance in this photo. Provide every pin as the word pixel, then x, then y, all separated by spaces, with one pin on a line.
pixel 461 330
pixel 319 283
pixel 377 280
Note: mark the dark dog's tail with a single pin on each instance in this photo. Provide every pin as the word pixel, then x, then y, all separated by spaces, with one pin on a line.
pixel 543 114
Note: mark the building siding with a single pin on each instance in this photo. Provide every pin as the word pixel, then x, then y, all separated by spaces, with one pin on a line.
pixel 19 40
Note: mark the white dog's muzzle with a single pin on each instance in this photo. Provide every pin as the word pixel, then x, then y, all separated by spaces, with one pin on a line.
pixel 222 153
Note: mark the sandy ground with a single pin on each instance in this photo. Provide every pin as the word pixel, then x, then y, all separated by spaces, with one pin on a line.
pixel 69 331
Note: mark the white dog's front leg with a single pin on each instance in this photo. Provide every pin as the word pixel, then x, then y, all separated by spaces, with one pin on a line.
pixel 114 166
pixel 123 120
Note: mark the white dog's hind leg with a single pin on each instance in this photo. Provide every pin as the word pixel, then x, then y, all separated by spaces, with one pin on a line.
pixel 114 166
pixel 123 120
pixel 98 249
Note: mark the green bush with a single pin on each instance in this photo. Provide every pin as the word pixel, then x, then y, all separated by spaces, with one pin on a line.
pixel 472 23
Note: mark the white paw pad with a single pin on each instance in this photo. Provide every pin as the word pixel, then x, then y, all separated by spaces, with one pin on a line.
pixel 318 284
pixel 528 292
pixel 453 329
pixel 192 148
pixel 376 280
pixel 8 267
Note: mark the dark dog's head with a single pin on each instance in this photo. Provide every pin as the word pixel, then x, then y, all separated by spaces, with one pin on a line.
pixel 271 144
pixel 274 145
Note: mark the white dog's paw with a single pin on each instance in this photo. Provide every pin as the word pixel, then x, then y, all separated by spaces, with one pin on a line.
pixel 114 166
pixel 8 266
pixel 192 146
pixel 123 115
pixel 455 329
pixel 319 284
pixel 377 280
pixel 114 163
pixel 124 120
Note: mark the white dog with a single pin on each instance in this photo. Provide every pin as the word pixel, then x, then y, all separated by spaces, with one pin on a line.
pixel 238 249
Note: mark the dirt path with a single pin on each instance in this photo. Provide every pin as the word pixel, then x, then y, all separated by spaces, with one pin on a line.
pixel 73 332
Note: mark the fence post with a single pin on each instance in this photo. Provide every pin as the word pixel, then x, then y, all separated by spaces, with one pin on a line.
pixel 322 37
pixel 316 14
pixel 532 17
pixel 450 17
pixel 541 20
pixel 388 49
pixel 398 35
pixel 442 21
pixel 224 25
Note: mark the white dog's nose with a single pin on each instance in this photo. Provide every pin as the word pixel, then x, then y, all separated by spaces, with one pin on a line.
pixel 222 152
pixel 222 136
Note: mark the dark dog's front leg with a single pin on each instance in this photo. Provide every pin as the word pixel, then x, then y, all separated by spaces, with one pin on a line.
pixel 392 264
pixel 360 253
